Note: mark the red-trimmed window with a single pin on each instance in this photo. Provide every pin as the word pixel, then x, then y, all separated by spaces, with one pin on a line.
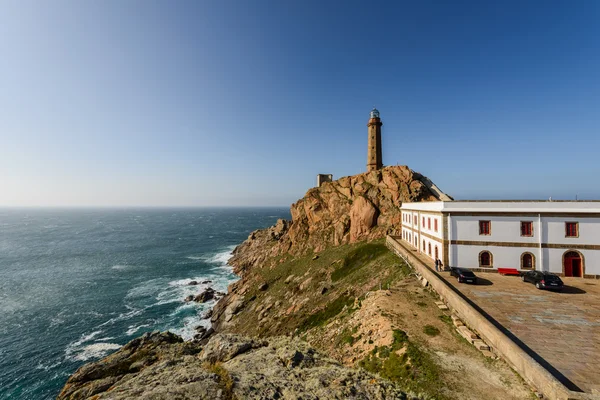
pixel 484 227
pixel 572 229
pixel 415 219
pixel 429 224
pixel 526 228
pixel 429 252
pixel 423 224
pixel 423 245
pixel 435 226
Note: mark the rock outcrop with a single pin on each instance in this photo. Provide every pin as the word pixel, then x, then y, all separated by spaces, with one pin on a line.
pixel 350 209
pixel 161 366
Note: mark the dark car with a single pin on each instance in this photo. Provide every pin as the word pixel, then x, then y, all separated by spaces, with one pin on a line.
pixel 463 275
pixel 543 280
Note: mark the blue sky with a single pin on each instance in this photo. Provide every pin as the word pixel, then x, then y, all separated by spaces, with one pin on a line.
pixel 197 103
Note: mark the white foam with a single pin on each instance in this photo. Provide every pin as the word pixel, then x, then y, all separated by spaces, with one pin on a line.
pixel 188 330
pixel 48 366
pixel 121 267
pixel 222 257
pixel 74 347
pixel 95 350
pixel 133 329
pixel 122 316
pixel 104 339
pixel 145 289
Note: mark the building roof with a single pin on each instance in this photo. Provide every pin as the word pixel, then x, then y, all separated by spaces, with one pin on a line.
pixel 536 206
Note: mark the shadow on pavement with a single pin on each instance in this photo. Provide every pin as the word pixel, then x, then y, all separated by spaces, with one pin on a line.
pixel 572 290
pixel 484 282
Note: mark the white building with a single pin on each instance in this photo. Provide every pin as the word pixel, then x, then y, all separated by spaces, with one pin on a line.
pixel 562 237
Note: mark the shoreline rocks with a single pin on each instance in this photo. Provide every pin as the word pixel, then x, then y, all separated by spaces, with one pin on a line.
pixel 161 366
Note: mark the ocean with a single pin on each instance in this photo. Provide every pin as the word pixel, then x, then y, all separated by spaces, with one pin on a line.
pixel 78 284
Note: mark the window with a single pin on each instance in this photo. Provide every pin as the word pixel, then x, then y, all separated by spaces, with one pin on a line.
pixel 484 227
pixel 423 224
pixel 526 228
pixel 423 245
pixel 415 219
pixel 527 261
pixel 437 254
pixel 429 252
pixel 429 224
pixel 435 226
pixel 485 259
pixel 572 229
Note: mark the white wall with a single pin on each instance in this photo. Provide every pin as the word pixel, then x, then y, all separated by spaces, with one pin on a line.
pixel 554 230
pixel 431 231
pixel 502 257
pixel 503 229
pixel 508 229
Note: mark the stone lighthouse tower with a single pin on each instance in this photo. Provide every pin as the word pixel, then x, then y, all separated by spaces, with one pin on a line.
pixel 374 151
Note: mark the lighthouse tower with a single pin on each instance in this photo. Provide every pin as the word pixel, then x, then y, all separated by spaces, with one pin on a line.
pixel 374 151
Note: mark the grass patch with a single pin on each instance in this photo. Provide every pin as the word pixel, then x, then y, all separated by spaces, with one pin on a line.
pixel 225 380
pixel 414 369
pixel 359 258
pixel 431 330
pixel 331 310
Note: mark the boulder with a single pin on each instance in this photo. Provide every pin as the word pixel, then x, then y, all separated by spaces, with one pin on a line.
pixel 205 296
pixel 263 286
pixel 189 298
pixel 192 283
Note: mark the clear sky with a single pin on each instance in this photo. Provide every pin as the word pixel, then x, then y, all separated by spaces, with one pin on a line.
pixel 204 103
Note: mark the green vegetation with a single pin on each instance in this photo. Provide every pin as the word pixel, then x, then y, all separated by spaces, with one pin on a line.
pixel 348 338
pixel 359 258
pixel 225 380
pixel 331 310
pixel 431 330
pixel 404 362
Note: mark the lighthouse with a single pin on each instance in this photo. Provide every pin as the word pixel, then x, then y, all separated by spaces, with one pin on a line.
pixel 374 151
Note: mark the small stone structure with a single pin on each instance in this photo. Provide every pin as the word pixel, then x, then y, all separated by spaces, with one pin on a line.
pixel 322 178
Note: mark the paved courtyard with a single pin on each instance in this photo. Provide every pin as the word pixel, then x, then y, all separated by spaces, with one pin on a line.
pixel 561 328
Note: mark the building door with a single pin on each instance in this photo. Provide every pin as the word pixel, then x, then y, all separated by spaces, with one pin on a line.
pixel 572 264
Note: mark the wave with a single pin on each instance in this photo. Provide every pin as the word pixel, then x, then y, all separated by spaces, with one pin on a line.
pixel 122 316
pixel 104 339
pixel 220 258
pixel 76 351
pixel 122 267
pixel 95 350
pixel 133 329
pixel 188 330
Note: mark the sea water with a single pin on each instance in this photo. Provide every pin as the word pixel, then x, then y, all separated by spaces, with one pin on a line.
pixel 76 285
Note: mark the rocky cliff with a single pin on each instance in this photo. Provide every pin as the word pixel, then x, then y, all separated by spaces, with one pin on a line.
pixel 162 366
pixel 350 209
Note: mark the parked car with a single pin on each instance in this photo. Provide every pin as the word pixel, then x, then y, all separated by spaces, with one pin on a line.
pixel 543 280
pixel 463 275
